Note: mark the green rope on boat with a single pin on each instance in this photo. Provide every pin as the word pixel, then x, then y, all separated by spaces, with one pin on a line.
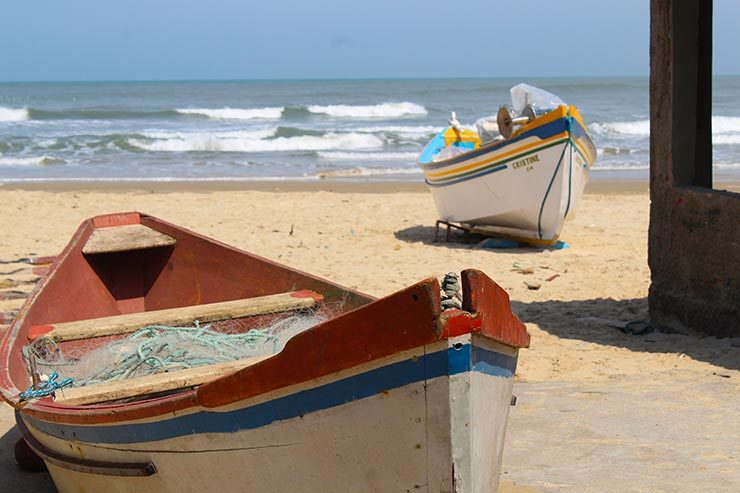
pixel 156 349
pixel 46 388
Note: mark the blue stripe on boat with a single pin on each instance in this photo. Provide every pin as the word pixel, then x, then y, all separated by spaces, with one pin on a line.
pixel 449 362
pixel 542 132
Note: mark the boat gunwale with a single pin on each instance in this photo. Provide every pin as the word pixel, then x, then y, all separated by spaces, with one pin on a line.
pixel 9 340
pixel 552 117
pixel 506 329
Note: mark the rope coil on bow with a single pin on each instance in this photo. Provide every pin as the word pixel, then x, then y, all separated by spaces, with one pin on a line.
pixel 451 296
pixel 46 388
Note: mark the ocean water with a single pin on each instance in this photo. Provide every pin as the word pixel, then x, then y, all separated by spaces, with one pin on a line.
pixel 303 130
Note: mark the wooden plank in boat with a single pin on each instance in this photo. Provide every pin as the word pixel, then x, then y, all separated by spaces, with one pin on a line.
pixel 125 238
pixel 131 322
pixel 151 384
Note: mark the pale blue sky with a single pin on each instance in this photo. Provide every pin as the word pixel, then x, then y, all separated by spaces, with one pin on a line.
pixel 246 39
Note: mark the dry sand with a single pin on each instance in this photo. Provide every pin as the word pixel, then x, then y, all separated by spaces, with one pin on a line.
pixel 377 239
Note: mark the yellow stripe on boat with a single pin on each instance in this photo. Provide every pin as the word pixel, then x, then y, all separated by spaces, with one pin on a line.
pixel 493 158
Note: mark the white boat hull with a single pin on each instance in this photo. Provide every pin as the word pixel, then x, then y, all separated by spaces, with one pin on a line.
pixel 531 202
pixel 524 188
pixel 439 432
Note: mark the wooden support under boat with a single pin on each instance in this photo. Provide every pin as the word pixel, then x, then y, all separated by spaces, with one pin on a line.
pixel 125 238
pixel 126 324
pixel 151 384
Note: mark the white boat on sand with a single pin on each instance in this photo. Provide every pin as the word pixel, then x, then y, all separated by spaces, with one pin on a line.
pixel 522 183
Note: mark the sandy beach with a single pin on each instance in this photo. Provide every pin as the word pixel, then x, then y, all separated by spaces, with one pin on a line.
pixel 598 409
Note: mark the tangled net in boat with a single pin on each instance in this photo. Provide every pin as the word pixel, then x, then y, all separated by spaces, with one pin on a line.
pixel 159 348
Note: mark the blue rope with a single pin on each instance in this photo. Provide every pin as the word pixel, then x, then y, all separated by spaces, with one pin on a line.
pixel 47 388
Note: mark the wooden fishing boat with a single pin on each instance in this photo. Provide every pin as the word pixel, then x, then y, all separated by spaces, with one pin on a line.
pixel 389 394
pixel 522 183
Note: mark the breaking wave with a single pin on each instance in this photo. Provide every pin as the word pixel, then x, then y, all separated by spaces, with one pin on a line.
pixel 721 125
pixel 620 167
pixel 377 111
pixel 419 130
pixel 615 150
pixel 13 114
pixel 727 139
pixel 725 124
pixel 236 113
pixel 633 128
pixel 257 141
pixel 363 171
pixel 385 110
pixel 30 161
pixel 368 156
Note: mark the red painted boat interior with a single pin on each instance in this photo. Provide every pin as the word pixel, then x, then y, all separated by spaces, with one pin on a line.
pixel 197 270
pixel 194 271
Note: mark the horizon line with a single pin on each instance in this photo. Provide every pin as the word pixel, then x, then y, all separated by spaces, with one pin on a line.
pixel 336 79
pixel 319 79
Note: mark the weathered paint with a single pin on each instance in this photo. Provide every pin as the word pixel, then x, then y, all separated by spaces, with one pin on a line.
pixel 398 438
pixel 694 235
pixel 365 399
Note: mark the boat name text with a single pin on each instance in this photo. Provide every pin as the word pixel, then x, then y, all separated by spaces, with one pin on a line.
pixel 526 161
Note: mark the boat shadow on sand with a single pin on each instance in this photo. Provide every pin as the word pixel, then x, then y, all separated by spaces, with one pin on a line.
pixel 13 478
pixel 463 241
pixel 624 323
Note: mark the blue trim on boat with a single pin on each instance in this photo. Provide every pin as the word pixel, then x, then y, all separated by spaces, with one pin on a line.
pixel 441 363
pixel 542 132
pixel 433 147
pixel 578 132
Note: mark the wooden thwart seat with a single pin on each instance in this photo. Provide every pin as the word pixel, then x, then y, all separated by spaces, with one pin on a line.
pixel 125 238
pixel 129 323
pixel 150 384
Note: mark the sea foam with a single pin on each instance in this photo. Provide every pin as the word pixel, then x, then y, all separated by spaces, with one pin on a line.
pixel 363 171
pixel 720 125
pixel 369 156
pixel 631 128
pixel 236 113
pixel 13 114
pixel 253 142
pixel 726 139
pixel 725 124
pixel 385 110
pixel 411 130
pixel 29 161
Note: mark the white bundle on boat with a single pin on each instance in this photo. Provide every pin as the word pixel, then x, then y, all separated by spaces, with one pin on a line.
pixel 541 101
pixel 158 349
pixel 487 128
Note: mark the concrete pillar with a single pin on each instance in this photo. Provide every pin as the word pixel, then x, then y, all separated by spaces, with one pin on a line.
pixel 694 239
